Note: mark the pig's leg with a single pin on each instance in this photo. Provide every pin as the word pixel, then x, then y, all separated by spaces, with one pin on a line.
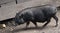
pixel 48 20
pixel 27 24
pixel 56 18
pixel 35 24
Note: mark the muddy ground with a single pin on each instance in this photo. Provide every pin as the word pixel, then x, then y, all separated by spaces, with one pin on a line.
pixel 32 29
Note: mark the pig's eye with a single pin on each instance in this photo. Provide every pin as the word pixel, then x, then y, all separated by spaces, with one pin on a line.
pixel 21 16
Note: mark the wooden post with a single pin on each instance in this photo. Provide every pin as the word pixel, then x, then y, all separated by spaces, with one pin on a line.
pixel 16 1
pixel 0 5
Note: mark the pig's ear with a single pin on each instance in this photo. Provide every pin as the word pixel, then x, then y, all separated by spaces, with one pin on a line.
pixel 22 15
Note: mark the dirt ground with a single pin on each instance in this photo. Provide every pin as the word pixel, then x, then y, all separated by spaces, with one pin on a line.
pixel 31 28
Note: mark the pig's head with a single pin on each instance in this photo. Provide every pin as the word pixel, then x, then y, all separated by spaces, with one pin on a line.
pixel 19 19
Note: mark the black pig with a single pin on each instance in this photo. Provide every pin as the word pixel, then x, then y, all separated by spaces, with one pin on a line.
pixel 37 14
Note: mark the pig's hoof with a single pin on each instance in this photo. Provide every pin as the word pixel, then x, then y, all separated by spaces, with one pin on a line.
pixel 56 25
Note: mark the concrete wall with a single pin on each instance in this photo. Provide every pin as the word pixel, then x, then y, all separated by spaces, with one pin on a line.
pixel 10 11
pixel 11 2
pixel 8 1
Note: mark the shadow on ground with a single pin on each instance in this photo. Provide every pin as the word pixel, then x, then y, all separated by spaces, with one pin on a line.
pixel 33 28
